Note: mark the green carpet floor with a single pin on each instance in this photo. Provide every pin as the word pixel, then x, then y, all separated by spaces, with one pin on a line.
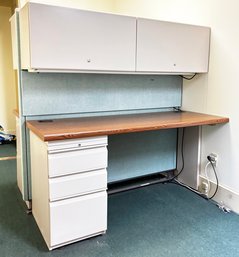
pixel 161 220
pixel 7 150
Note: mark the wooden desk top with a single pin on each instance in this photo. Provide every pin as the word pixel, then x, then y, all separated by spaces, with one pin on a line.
pixel 108 125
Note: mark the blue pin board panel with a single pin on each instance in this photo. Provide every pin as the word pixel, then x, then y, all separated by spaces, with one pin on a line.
pixel 67 93
pixel 137 154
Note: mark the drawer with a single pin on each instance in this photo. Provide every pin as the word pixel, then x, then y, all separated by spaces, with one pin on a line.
pixel 77 218
pixel 77 184
pixel 70 162
pixel 76 144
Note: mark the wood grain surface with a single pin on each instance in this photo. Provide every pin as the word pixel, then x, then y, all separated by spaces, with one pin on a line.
pixel 60 129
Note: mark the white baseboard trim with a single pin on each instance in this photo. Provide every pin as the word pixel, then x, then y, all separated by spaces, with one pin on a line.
pixel 224 196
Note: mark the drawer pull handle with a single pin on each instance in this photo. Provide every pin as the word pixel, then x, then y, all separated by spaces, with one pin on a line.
pixel 79 145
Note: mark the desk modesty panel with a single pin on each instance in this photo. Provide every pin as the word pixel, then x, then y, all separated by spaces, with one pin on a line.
pixel 60 129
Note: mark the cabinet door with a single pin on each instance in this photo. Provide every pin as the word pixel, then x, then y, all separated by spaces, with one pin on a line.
pixel 171 47
pixel 72 39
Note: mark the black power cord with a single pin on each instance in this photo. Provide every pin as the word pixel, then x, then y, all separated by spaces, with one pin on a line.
pixel 215 174
pixel 187 77
pixel 175 181
pixel 182 156
pixel 177 109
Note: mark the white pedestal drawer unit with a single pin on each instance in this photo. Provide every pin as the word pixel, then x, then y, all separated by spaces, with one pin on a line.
pixel 69 182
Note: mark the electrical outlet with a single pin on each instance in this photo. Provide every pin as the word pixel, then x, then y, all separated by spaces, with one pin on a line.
pixel 214 158
pixel 205 187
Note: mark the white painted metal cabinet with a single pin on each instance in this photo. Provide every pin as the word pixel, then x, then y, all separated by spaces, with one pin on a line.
pixel 69 207
pixel 60 38
pixel 171 47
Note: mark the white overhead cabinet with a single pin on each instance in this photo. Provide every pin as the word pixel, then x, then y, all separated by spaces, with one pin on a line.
pixel 169 47
pixel 57 38
pixel 60 38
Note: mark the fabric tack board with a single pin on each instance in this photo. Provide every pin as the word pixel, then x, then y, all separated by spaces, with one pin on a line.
pixel 65 93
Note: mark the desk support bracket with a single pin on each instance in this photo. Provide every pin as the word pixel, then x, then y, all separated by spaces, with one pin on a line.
pixel 191 150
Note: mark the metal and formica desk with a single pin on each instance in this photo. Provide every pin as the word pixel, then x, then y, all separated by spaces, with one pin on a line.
pixel 117 124
pixel 69 161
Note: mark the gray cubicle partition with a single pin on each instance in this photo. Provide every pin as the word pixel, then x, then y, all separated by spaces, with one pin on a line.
pixel 66 95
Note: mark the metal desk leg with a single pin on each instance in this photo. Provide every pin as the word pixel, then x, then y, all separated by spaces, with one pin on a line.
pixel 191 151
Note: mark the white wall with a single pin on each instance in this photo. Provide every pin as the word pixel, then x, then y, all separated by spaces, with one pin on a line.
pixel 7 74
pixel 215 92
